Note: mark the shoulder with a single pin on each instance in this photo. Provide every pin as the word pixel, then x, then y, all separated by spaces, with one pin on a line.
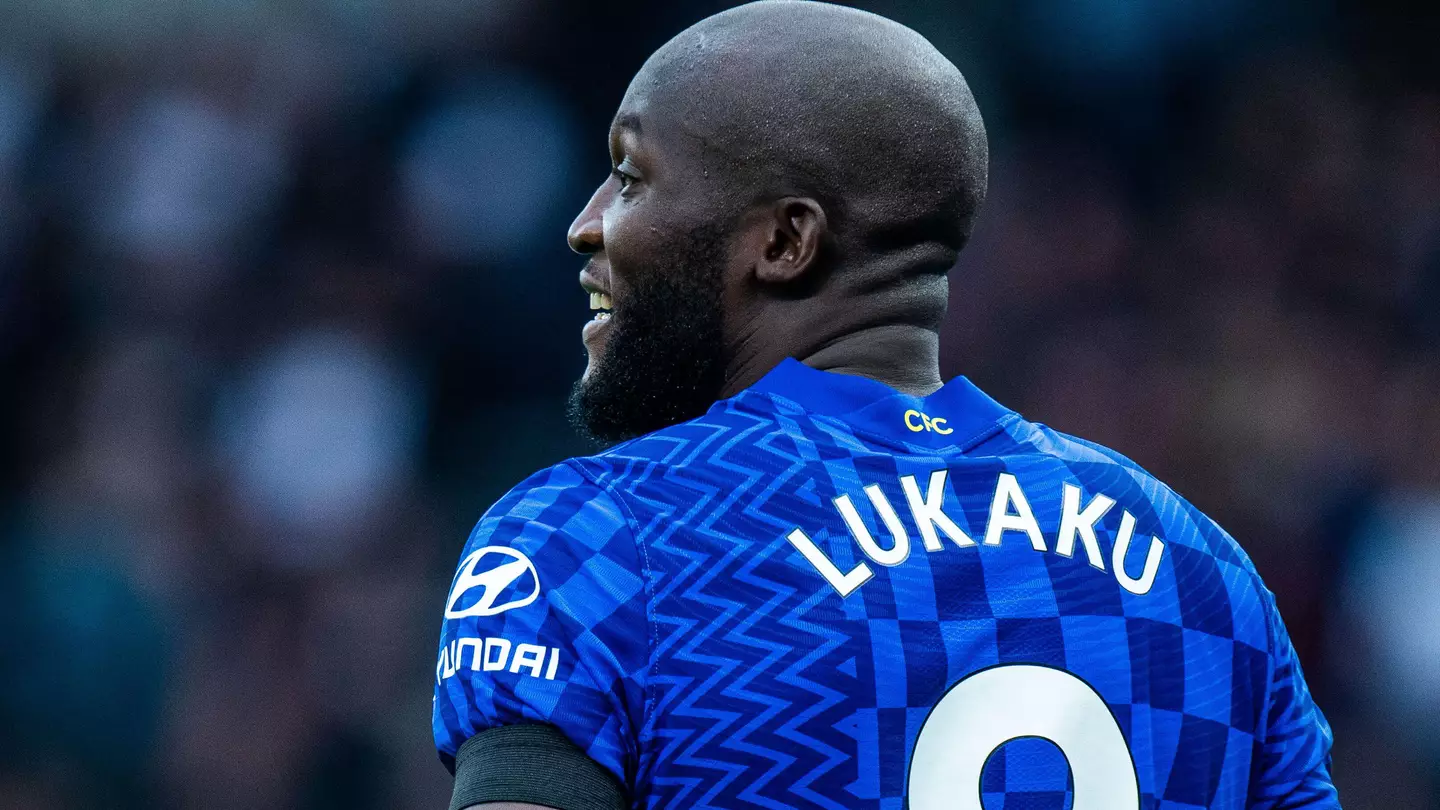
pixel 706 441
pixel 546 620
pixel 1159 507
pixel 559 540
pixel 561 521
pixel 554 499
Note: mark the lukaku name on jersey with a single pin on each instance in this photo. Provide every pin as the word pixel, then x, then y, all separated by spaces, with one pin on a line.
pixel 808 573
pixel 795 601
pixel 1009 511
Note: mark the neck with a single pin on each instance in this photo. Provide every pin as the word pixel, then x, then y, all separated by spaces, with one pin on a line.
pixel 905 357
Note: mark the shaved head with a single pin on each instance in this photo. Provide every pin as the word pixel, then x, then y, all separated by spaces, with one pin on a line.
pixel 797 97
pixel 789 179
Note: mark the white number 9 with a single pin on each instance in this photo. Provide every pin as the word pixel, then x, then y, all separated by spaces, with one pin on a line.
pixel 993 706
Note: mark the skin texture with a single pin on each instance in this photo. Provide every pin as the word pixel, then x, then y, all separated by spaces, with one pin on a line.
pixel 789 179
pixel 831 163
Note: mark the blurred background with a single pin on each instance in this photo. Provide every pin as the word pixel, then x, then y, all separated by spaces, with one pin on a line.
pixel 285 303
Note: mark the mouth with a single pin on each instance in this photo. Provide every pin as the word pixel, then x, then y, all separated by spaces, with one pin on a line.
pixel 593 281
pixel 601 305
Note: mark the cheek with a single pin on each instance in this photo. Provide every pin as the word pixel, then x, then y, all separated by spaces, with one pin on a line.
pixel 635 246
pixel 651 235
pixel 612 227
pixel 624 219
pixel 618 228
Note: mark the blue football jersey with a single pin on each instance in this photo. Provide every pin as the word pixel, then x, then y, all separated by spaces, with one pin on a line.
pixel 824 593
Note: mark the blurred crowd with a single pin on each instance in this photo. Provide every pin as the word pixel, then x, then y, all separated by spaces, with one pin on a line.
pixel 285 303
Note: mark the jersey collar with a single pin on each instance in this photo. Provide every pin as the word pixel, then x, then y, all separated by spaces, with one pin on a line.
pixel 957 414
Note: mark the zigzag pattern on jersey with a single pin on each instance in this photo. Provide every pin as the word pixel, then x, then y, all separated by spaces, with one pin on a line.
pixel 710 666
pixel 744 636
pixel 748 708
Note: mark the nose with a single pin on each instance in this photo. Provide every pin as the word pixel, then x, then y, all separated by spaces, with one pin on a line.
pixel 586 233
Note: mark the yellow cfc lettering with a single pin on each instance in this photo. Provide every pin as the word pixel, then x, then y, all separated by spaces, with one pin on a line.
pixel 915 427
pixel 918 422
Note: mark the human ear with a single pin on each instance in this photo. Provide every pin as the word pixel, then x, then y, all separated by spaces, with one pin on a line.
pixel 792 235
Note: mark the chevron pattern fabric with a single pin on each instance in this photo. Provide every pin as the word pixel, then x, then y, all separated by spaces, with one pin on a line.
pixel 826 594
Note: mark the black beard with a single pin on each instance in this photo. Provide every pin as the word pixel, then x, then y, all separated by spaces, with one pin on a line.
pixel 664 361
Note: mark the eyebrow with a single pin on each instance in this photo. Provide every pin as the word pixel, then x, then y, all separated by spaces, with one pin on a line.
pixel 629 121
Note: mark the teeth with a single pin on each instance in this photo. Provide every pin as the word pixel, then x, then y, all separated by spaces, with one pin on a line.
pixel 600 301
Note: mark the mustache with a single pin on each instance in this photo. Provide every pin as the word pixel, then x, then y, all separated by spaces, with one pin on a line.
pixel 598 272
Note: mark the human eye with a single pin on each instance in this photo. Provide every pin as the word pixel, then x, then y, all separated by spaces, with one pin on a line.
pixel 624 172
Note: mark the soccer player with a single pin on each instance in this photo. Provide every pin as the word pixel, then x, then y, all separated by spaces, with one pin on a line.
pixel 812 574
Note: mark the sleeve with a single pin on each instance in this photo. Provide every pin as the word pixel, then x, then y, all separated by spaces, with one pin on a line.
pixel 545 623
pixel 1293 764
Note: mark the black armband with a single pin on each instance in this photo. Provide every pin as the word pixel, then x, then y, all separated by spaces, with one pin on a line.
pixel 532 764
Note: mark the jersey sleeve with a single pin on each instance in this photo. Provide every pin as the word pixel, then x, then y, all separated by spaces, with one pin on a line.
pixel 545 623
pixel 1293 767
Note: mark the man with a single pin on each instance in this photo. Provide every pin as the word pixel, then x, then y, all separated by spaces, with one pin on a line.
pixel 813 575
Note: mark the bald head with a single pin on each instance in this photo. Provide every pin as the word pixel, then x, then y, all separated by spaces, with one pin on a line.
pixel 808 98
pixel 788 179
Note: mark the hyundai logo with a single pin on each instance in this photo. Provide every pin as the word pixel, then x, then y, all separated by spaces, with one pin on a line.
pixel 498 568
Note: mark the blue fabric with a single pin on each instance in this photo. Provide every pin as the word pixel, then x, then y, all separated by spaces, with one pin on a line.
pixel 680 635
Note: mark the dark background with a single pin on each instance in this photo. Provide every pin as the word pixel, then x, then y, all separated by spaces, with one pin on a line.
pixel 285 303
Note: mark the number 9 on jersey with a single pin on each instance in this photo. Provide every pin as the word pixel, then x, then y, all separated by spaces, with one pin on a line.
pixel 991 707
